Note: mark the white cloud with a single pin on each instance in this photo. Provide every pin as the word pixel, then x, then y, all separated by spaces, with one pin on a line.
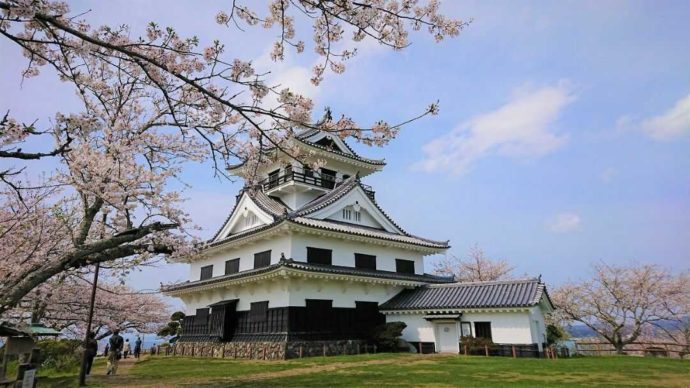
pixel 523 127
pixel 673 123
pixel 564 222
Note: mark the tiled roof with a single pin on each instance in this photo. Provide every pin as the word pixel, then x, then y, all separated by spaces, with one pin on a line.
pixel 508 293
pixel 353 155
pixel 332 196
pixel 369 232
pixel 298 265
pixel 311 132
pixel 280 212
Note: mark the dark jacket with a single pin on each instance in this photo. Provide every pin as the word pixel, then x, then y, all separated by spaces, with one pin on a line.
pixel 116 343
pixel 91 347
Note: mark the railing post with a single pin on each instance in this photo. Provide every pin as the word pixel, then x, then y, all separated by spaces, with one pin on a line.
pixel 514 351
pixel 486 350
pixel 465 349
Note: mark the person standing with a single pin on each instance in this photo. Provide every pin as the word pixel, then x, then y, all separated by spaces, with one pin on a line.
pixel 137 347
pixel 126 349
pixel 91 350
pixel 115 351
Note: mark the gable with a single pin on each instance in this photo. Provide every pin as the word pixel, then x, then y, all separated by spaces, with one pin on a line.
pixel 246 215
pixel 356 201
pixel 329 141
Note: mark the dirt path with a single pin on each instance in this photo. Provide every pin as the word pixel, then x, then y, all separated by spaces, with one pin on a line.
pixel 122 378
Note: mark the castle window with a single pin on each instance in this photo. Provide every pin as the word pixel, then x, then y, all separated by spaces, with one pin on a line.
pixel 232 266
pixel 206 272
pixel 347 214
pixel 262 259
pixel 365 261
pixel 404 266
pixel 258 311
pixel 319 256
pixel 358 216
pixel 482 330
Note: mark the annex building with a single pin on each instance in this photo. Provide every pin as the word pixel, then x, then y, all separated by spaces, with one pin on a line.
pixel 308 263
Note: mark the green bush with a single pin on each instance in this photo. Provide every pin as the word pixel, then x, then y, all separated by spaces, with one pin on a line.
pixel 472 342
pixel 555 333
pixel 62 355
pixel 386 335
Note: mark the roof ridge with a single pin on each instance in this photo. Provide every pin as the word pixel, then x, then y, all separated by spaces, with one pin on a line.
pixel 490 282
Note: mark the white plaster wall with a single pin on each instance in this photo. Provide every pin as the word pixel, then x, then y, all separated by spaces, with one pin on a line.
pixel 344 252
pixel 274 292
pixel 508 328
pixel 277 245
pixel 418 329
pixel 538 325
pixel 342 293
pixel 292 292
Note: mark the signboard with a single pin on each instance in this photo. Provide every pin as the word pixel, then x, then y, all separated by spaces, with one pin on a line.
pixel 29 378
pixel 19 345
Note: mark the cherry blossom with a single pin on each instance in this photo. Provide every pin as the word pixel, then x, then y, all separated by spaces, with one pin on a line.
pixel 151 105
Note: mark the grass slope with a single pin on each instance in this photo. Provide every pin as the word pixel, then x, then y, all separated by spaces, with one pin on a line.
pixel 396 370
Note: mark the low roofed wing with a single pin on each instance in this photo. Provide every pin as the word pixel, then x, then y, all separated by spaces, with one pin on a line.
pixel 497 294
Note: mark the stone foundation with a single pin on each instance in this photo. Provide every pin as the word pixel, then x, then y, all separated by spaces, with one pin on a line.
pixel 270 350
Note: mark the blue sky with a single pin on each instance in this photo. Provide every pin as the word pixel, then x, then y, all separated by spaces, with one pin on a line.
pixel 563 136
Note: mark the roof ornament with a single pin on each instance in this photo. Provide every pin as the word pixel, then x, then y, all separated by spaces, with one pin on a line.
pixel 356 206
pixel 327 116
pixel 282 257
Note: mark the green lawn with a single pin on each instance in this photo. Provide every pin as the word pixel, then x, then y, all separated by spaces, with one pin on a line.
pixel 396 370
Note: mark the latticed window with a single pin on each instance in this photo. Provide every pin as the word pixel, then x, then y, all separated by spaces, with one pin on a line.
pixel 347 214
pixel 232 266
pixel 404 266
pixel 258 311
pixel 206 272
pixel 365 261
pixel 319 256
pixel 358 216
pixel 482 330
pixel 262 259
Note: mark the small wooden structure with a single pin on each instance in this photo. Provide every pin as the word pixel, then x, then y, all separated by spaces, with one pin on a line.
pixel 20 342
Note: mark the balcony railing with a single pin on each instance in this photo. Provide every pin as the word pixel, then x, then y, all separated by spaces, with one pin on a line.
pixel 312 178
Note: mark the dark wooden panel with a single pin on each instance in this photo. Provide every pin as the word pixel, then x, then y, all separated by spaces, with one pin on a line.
pixel 319 256
pixel 404 266
pixel 365 261
pixel 482 330
pixel 232 266
pixel 206 272
pixel 262 259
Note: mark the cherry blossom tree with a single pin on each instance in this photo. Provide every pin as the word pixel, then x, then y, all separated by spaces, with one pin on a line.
pixel 620 302
pixel 63 302
pixel 477 267
pixel 151 105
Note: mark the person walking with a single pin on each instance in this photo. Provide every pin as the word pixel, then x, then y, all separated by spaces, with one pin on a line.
pixel 91 350
pixel 115 351
pixel 137 347
pixel 126 349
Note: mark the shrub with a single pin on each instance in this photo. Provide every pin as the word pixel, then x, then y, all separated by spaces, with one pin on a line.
pixel 472 342
pixel 554 333
pixel 386 335
pixel 63 355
